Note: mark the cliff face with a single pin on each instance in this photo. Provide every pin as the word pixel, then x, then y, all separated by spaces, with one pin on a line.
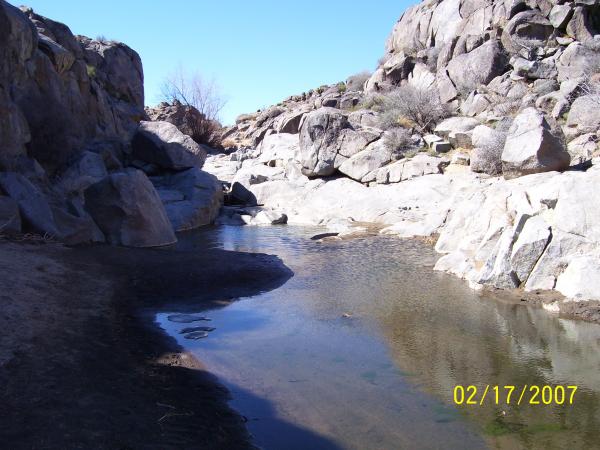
pixel 75 164
pixel 62 92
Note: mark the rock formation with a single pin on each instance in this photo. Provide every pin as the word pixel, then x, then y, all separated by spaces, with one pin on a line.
pixel 71 109
pixel 505 180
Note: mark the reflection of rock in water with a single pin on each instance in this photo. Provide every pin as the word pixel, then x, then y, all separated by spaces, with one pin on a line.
pixel 186 318
pixel 457 337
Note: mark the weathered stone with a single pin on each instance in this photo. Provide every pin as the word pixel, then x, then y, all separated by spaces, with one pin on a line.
pixel 581 279
pixel 319 141
pixel 363 163
pixel 583 148
pixel 191 198
pixel 532 147
pixel 290 122
pixel 560 15
pixel 87 169
pixel 129 211
pixel 162 144
pixel 584 116
pixel 479 66
pixel 583 26
pixel 456 124
pixel 526 30
pixel 33 204
pixel 530 245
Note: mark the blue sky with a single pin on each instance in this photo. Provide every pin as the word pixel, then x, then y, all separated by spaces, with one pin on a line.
pixel 259 52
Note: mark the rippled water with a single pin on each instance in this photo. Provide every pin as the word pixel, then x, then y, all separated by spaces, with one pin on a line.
pixel 362 348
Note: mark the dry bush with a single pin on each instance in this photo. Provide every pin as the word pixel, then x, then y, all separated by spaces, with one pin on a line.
pixel 489 156
pixel 399 141
pixel 192 90
pixel 357 82
pixel 420 106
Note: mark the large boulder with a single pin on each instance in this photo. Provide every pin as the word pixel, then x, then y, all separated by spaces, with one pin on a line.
pixel 584 116
pixel 191 198
pixel 479 66
pixel 362 165
pixel 526 31
pixel 129 211
pixel 532 146
pixel 162 144
pixel 319 141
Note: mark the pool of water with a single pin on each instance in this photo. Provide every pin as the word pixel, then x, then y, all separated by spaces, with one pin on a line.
pixel 363 346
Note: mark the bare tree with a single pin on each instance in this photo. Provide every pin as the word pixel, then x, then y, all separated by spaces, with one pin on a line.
pixel 192 90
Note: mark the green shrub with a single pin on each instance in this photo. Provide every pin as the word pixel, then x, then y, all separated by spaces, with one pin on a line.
pixel 91 71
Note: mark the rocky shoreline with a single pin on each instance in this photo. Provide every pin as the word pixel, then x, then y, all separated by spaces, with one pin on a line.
pixel 84 365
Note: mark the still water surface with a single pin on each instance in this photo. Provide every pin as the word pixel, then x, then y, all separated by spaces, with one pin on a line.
pixel 362 347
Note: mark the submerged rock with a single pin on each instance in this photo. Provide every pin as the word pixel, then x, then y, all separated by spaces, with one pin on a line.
pixel 186 318
pixel 195 335
pixel 196 329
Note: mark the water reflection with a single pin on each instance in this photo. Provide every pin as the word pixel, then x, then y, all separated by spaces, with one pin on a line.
pixel 366 343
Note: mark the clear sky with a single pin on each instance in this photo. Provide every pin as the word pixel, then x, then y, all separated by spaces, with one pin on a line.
pixel 259 52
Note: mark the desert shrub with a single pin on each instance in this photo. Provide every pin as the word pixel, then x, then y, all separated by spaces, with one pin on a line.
pixel 192 89
pixel 399 141
pixel 103 39
pixel 341 87
pixel 409 104
pixel 357 82
pixel 488 158
pixel 91 71
pixel 373 102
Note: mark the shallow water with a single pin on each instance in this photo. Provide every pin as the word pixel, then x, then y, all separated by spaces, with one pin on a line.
pixel 362 348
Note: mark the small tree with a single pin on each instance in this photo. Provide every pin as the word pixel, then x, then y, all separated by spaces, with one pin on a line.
pixel 191 89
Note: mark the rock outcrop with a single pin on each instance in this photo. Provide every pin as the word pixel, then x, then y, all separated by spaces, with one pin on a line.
pixel 505 180
pixel 71 109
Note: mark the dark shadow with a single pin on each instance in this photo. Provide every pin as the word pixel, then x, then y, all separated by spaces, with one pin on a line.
pixel 100 373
